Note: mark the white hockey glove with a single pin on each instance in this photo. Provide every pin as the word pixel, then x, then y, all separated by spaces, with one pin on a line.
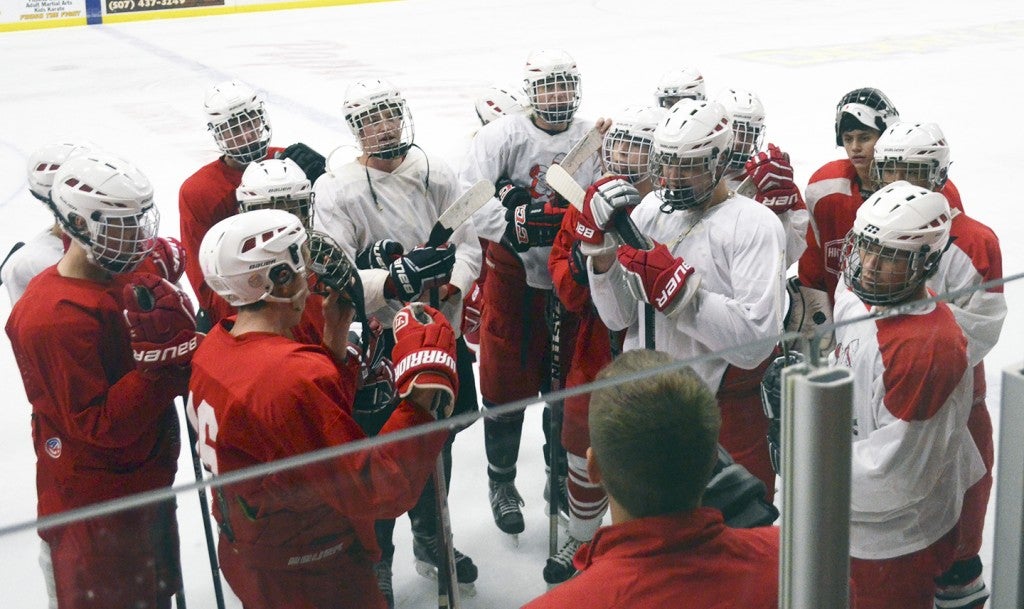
pixel 810 310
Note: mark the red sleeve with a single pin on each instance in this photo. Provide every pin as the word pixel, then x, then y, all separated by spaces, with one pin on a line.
pixel 574 297
pixel 199 209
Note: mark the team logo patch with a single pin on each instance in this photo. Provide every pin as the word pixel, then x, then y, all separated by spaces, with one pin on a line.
pixel 53 447
pixel 834 256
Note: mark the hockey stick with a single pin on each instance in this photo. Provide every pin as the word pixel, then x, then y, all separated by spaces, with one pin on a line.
pixel 459 211
pixel 555 423
pixel 203 325
pixel 17 246
pixel 582 150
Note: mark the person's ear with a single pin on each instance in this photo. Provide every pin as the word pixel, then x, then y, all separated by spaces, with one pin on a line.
pixel 593 470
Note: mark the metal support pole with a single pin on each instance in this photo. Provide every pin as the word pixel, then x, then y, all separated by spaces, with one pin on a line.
pixel 816 443
pixel 1008 553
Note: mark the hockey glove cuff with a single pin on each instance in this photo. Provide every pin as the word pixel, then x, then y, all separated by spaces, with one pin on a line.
pixel 424 354
pixel 657 277
pixel 169 257
pixel 772 174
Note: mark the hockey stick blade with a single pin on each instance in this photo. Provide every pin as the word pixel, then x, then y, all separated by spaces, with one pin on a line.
pixel 561 181
pixel 581 151
pixel 459 211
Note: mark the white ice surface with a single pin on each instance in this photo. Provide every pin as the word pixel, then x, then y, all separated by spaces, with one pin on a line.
pixel 136 89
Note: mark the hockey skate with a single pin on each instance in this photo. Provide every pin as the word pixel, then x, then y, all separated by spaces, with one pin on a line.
pixel 505 504
pixel 424 548
pixel 563 497
pixel 382 570
pixel 559 567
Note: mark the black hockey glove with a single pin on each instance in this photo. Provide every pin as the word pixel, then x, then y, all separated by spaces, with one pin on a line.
pixel 312 163
pixel 771 401
pixel 509 194
pixel 578 265
pixel 534 224
pixel 379 255
pixel 421 269
pixel 738 494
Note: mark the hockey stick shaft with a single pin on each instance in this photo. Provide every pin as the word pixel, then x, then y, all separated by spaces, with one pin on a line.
pixel 17 246
pixel 447 577
pixel 555 431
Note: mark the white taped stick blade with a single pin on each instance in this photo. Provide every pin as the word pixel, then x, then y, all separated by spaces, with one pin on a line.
pixel 581 151
pixel 562 182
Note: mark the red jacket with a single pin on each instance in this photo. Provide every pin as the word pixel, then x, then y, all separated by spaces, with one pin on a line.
pixel 100 429
pixel 206 198
pixel 678 561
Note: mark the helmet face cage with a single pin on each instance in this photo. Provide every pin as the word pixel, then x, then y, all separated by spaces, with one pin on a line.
pixel 627 154
pixel 917 153
pixel 555 97
pixel 926 175
pixel 277 184
pixel 747 139
pixel 106 205
pixel 868 107
pixel 330 269
pixel 385 130
pixel 245 135
pixel 686 182
pixel 882 275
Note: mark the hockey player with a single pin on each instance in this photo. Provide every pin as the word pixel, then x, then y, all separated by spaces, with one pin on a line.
pixel 237 119
pixel 714 277
pixel 913 457
pixel 102 390
pixel 919 153
pixel 380 207
pixel 770 173
pixel 626 149
pixel 653 449
pixel 304 537
pixel 46 248
pixel 681 83
pixel 833 195
pixel 521 222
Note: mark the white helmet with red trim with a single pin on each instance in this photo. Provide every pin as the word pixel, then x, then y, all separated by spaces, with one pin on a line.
pixel 692 147
pixel 552 84
pixel 681 83
pixel 238 121
pixel 496 101
pixel 915 152
pixel 276 184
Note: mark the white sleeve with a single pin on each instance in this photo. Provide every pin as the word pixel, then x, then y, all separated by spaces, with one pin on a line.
pixel 484 161
pixel 39 253
pixel 795 222
pixel 612 297
pixel 754 311
pixel 979 313
pixel 327 205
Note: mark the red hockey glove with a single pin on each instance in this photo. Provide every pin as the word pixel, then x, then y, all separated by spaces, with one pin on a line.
pixel 168 256
pixel 533 224
pixel 161 323
pixel 658 277
pixel 424 353
pixel 772 174
pixel 421 269
pixel 472 310
pixel 605 197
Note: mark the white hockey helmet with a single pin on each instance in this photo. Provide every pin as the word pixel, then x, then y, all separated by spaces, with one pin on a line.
pixel 44 163
pixel 692 147
pixel 681 83
pixel 915 152
pixel 276 184
pixel 626 146
pixel 245 256
pixel 496 101
pixel 238 121
pixel 379 118
pixel 747 113
pixel 106 205
pixel 898 237
pixel 553 87
pixel 864 108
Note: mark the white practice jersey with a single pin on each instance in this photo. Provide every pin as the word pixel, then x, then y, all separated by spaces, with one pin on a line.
pixel 401 206
pixel 512 147
pixel 794 223
pixel 913 458
pixel 736 248
pixel 973 258
pixel 40 252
